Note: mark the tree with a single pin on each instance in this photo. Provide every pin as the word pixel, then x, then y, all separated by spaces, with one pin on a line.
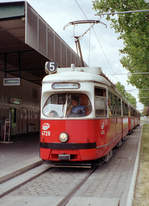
pixel 121 89
pixel 134 30
pixel 131 99
pixel 144 97
pixel 145 111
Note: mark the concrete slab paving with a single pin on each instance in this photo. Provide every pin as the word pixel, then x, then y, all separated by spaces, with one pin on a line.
pixel 19 168
pixel 113 180
pixel 8 186
pixel 17 156
pixel 93 201
pixel 31 201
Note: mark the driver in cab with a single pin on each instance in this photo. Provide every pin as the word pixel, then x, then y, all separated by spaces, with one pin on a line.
pixel 75 109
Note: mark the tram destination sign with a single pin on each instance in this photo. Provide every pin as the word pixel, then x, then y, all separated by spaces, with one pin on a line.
pixel 11 81
pixel 65 86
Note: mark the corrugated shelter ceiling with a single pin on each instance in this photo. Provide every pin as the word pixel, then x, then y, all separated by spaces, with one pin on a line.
pixel 27 41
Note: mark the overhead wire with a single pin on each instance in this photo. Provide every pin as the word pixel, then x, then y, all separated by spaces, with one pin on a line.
pixel 100 45
pixel 98 41
pixel 123 12
pixel 85 17
pixel 81 9
pixel 89 53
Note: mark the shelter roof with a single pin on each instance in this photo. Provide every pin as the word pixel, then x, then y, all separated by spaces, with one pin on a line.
pixel 27 41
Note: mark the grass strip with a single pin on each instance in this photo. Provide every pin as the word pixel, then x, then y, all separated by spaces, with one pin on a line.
pixel 142 187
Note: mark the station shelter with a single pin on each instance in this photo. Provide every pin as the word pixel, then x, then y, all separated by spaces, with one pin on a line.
pixel 26 43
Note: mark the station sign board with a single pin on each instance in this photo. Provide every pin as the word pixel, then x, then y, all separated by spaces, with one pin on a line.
pixel 15 101
pixel 11 81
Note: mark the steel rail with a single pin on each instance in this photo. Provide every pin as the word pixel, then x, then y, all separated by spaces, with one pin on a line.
pixel 12 184
pixel 69 196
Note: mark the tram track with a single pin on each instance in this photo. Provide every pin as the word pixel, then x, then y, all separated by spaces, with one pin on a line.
pixel 14 180
pixel 68 197
pixel 107 183
pixel 20 171
pixel 44 169
pixel 30 176
pixel 12 183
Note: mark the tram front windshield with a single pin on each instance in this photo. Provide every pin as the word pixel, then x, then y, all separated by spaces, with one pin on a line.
pixel 67 105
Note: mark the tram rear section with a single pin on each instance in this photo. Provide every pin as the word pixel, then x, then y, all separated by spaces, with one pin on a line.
pixel 100 120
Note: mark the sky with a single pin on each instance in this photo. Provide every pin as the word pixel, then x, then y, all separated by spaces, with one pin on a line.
pixel 100 46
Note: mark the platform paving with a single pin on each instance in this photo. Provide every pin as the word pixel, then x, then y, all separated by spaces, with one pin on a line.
pixel 18 155
pixel 93 201
pixel 109 185
pixel 114 179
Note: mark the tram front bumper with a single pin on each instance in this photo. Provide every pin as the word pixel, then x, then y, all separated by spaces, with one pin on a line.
pixel 68 155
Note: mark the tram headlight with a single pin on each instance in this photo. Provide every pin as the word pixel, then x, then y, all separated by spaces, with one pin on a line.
pixel 63 137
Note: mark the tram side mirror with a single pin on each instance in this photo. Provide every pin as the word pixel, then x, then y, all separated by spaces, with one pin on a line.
pixel 50 67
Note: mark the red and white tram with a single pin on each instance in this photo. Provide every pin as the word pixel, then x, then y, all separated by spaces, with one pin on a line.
pixel 83 117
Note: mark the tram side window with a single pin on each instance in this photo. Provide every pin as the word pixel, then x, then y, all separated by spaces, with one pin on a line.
pixel 100 92
pixel 100 102
pixel 114 104
pixel 111 104
pixel 118 106
pixel 125 109
pixel 133 113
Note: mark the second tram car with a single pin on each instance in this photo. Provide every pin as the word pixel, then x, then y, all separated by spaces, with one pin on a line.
pixel 83 116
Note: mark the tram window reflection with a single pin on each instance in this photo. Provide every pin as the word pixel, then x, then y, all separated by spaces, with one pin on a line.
pixel 67 105
pixel 100 102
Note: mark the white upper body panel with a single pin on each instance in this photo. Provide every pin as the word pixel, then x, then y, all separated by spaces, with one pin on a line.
pixel 85 77
pixel 77 74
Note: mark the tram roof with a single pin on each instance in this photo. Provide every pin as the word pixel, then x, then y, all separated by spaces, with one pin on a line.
pixel 27 42
pixel 77 74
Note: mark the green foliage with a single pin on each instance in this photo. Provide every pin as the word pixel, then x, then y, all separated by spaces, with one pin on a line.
pixel 146 111
pixel 121 89
pixel 144 97
pixel 134 30
pixel 131 99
